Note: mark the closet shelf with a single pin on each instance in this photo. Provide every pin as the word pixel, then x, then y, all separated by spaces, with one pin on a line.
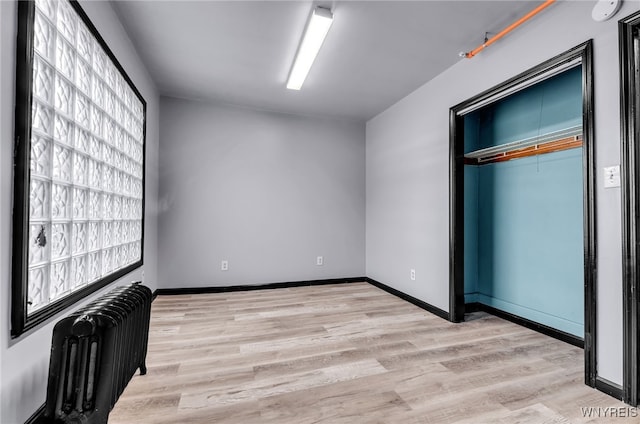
pixel 568 138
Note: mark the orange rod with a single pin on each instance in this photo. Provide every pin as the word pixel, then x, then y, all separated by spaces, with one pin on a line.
pixel 510 28
pixel 539 149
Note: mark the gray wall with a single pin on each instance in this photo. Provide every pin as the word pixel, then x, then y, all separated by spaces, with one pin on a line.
pixel 24 361
pixel 408 165
pixel 268 192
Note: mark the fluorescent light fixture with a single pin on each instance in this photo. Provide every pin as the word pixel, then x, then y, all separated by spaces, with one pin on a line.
pixel 312 40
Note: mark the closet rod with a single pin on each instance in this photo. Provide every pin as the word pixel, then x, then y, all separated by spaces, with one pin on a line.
pixel 526 142
pixel 538 149
pixel 551 142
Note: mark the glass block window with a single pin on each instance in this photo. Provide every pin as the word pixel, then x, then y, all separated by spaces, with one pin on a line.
pixel 79 181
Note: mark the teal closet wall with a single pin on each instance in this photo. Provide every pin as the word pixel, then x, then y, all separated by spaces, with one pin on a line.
pixel 524 217
pixel 551 105
pixel 471 190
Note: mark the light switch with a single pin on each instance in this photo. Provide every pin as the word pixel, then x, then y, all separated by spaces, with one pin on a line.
pixel 612 176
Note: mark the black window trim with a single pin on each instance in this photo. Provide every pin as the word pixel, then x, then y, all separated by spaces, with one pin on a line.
pixel 20 320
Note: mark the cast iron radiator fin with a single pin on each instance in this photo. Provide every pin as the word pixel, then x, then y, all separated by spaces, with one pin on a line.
pixel 94 353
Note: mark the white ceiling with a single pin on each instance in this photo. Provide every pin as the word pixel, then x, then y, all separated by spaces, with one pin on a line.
pixel 240 52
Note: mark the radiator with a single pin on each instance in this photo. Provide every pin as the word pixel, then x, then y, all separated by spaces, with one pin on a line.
pixel 94 353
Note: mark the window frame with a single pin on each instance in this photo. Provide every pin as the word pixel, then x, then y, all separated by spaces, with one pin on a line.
pixel 21 320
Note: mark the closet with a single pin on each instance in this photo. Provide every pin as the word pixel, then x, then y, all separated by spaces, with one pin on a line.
pixel 523 204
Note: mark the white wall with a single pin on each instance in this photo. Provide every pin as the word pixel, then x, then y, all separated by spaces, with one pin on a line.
pixel 407 165
pixel 268 192
pixel 25 361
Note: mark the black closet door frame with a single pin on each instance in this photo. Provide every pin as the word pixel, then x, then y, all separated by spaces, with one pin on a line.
pixel 584 54
pixel 629 38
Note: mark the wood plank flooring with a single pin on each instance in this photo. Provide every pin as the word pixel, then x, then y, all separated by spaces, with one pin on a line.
pixel 348 353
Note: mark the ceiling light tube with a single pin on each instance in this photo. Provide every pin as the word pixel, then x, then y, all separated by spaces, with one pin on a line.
pixel 312 40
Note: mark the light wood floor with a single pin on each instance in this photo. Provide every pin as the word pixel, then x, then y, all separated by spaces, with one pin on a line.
pixel 348 353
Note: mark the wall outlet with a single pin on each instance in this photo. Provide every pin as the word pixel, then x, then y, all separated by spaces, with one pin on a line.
pixel 413 275
pixel 224 266
pixel 142 276
pixel 319 261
